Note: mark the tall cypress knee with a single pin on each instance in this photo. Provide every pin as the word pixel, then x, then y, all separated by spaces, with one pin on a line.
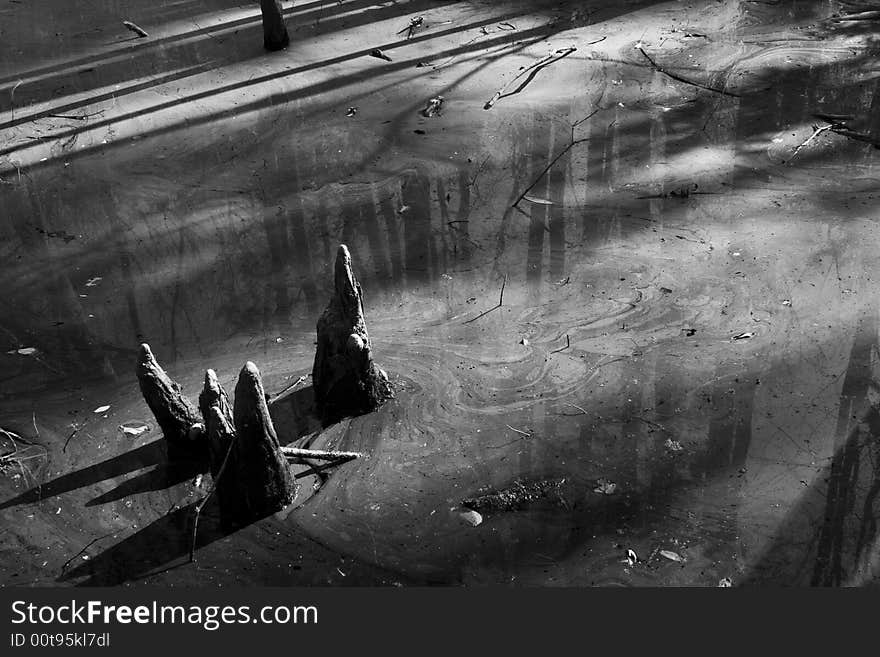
pixel 176 415
pixel 275 35
pixel 345 379
pixel 258 469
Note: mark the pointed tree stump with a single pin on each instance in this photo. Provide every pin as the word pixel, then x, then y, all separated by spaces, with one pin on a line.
pixel 256 480
pixel 346 380
pixel 219 431
pixel 275 35
pixel 176 415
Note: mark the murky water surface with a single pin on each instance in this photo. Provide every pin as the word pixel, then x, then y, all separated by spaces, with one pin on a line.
pixel 685 354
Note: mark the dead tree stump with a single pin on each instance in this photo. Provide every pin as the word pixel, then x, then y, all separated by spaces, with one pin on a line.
pixel 346 380
pixel 215 408
pixel 176 415
pixel 275 35
pixel 256 480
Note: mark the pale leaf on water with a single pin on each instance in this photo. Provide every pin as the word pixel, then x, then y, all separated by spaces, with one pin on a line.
pixel 102 409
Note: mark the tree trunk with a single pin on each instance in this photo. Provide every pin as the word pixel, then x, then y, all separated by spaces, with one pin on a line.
pixel 176 415
pixel 274 30
pixel 257 478
pixel 345 379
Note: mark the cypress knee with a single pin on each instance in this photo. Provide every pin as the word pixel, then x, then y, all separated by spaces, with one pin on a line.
pixel 176 415
pixel 257 469
pixel 275 35
pixel 215 408
pixel 346 381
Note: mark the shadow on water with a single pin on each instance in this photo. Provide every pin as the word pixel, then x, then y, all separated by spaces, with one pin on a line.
pixel 829 537
pixel 161 476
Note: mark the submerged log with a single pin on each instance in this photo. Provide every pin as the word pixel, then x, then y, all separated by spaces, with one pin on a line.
pixel 258 481
pixel 176 415
pixel 275 35
pixel 346 380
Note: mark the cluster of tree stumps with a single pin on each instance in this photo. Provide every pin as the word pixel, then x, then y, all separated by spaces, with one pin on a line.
pixel 237 441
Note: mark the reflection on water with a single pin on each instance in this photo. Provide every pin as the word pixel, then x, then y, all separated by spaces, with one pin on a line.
pixel 686 316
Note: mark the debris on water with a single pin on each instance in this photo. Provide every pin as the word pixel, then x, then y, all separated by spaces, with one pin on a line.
pixel 134 428
pixel 351 111
pixel 92 282
pixel 414 23
pixel 744 336
pixel 725 582
pixel 471 517
pixel 381 55
pixel 102 409
pixel 689 332
pixel 605 487
pixel 433 107
pixel 665 290
pixel 506 26
pixel 198 480
pixel 24 351
pixel 524 342
pixel 786 302
pixel 673 445
pixel 672 556
pixel 631 557
pixel 535 199
pixel 420 132
pixel 135 28
pixel 515 496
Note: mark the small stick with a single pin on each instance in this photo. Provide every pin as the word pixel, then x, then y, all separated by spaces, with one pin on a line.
pixel 816 132
pixel 135 28
pixel 500 303
pixel 317 469
pixel 88 545
pixel 72 434
pixel 318 454
pixel 520 431
pixel 200 505
pixel 577 407
pixel 290 387
pixel 662 70
pixel 554 56
pixel 547 168
pixel 567 345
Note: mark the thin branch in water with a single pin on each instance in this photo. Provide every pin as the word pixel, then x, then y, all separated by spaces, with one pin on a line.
pixel 816 132
pixel 81 552
pixel 201 505
pixel 500 303
pixel 662 70
pixel 535 66
pixel 567 345
pixel 547 168
pixel 519 431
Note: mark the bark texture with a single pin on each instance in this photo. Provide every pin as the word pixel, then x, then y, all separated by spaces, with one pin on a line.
pixel 346 380
pixel 176 415
pixel 257 472
pixel 275 35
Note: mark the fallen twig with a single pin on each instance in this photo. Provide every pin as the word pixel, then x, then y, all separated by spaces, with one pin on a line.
pixel 547 168
pixel 293 385
pixel 319 454
pixel 200 505
pixel 567 345
pixel 81 552
pixel 141 32
pixel 544 61
pixel 662 70
pixel 816 132
pixel 519 431
pixel 500 303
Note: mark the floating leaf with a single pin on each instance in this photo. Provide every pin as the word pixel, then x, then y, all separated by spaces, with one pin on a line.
pixel 92 282
pixel 471 517
pixel 102 409
pixel 24 351
pixel 539 201
pixel 673 556
pixel 134 429
pixel 725 582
